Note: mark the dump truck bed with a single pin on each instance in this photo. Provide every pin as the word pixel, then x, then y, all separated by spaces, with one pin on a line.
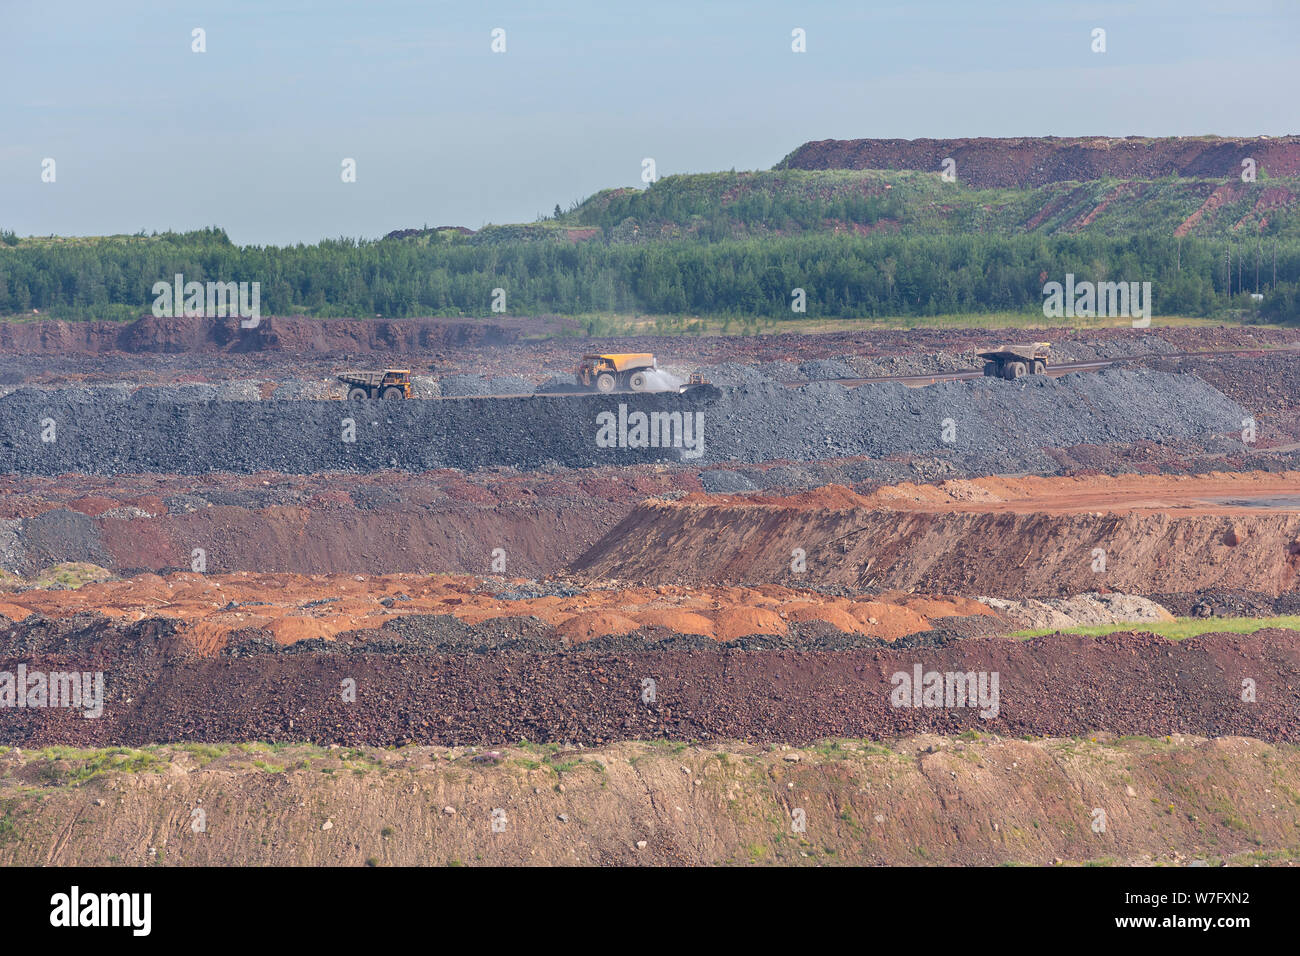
pixel 360 378
pixel 623 360
pixel 1025 352
pixel 372 379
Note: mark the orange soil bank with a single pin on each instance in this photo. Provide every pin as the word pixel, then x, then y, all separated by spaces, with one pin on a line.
pixel 294 607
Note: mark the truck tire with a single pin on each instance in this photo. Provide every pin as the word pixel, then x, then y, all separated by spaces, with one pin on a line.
pixel 392 392
pixel 605 383
pixel 1016 370
pixel 1040 367
pixel 990 368
pixel 356 394
pixel 639 381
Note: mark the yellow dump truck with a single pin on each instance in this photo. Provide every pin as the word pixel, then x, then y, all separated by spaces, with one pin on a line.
pixel 1014 361
pixel 630 371
pixel 391 383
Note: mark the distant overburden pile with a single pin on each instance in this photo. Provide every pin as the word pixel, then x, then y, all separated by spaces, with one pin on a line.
pixel 1035 161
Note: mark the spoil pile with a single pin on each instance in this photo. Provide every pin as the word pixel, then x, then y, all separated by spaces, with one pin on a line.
pixel 1080 609
pixel 1034 161
pixel 291 608
pixel 986 424
pixel 1126 683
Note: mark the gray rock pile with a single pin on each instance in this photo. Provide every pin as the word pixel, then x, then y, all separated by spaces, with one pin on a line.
pixel 985 423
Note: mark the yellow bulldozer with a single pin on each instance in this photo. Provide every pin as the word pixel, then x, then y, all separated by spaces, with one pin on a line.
pixel 615 371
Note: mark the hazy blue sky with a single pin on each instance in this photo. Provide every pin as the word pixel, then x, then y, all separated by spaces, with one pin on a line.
pixel 250 135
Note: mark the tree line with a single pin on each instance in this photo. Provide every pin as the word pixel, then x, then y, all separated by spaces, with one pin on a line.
pixel 842 276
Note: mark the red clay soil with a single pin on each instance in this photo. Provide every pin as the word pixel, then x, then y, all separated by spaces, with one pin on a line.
pixel 449 522
pixel 1133 494
pixel 1220 197
pixel 1087 219
pixel 292 607
pixel 997 536
pixel 1035 161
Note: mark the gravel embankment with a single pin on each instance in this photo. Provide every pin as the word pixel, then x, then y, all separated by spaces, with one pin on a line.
pixel 982 423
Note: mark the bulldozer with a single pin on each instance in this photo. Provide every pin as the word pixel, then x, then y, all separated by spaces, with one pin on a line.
pixel 391 383
pixel 1013 361
pixel 630 371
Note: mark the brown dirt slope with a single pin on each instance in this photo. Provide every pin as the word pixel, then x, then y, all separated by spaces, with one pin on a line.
pixel 916 801
pixel 1034 161
pixel 150 334
pixel 1006 537
pixel 186 350
pixel 441 521
pixel 437 681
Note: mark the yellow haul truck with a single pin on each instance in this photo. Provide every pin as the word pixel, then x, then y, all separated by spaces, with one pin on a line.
pixel 391 383
pixel 1015 361
pixel 617 370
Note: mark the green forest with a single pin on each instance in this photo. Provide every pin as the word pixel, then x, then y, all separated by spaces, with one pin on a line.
pixel 716 245
pixel 733 205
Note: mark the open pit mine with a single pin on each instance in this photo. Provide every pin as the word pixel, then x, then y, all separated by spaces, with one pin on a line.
pixel 850 573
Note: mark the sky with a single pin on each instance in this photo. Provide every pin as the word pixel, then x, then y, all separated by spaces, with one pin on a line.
pixel 251 135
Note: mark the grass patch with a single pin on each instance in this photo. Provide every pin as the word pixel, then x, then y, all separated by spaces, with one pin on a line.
pixel 618 325
pixel 67 576
pixel 59 766
pixel 203 753
pixel 1176 630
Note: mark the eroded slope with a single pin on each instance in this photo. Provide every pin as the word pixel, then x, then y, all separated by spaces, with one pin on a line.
pixel 916 801
pixel 997 536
